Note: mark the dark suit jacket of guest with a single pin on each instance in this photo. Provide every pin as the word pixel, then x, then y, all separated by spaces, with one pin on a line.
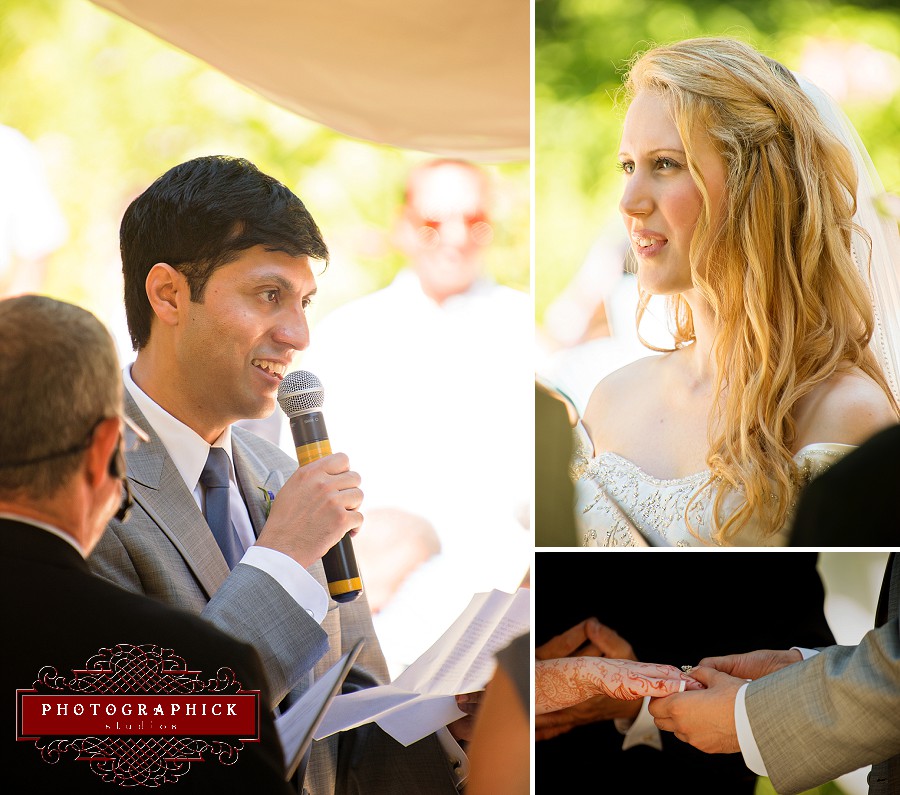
pixel 56 613
pixel 673 608
pixel 857 501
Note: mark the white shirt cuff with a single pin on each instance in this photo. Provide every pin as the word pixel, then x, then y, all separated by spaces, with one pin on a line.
pixel 642 731
pixel 302 587
pixel 749 749
pixel 459 762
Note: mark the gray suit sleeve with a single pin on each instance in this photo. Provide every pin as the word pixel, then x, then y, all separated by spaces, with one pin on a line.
pixel 249 604
pixel 816 720
pixel 252 606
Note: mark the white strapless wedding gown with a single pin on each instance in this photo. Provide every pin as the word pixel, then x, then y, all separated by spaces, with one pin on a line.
pixel 620 505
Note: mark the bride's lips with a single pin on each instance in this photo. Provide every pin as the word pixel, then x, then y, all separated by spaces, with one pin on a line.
pixel 646 242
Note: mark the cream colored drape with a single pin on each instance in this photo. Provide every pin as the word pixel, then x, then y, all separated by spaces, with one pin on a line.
pixel 450 77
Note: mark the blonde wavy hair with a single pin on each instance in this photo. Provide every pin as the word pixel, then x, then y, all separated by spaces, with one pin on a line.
pixel 775 266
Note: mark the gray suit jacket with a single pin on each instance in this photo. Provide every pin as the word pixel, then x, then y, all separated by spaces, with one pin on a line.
pixel 167 551
pixel 840 710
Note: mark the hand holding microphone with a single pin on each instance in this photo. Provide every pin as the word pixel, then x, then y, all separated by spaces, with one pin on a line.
pixel 316 511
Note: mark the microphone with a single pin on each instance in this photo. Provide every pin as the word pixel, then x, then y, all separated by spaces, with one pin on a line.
pixel 300 396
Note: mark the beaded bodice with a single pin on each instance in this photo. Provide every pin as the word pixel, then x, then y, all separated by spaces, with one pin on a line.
pixel 618 504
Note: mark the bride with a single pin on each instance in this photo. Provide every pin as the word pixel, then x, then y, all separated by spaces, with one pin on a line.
pixel 739 203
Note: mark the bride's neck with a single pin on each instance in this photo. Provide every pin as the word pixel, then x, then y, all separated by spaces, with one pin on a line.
pixel 701 362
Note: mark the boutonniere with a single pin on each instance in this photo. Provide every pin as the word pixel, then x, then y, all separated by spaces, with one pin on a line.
pixel 268 498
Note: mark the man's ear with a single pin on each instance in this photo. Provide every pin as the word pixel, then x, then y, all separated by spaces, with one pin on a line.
pixel 168 292
pixel 103 447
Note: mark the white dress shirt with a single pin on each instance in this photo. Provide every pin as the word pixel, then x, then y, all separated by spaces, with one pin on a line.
pixel 189 451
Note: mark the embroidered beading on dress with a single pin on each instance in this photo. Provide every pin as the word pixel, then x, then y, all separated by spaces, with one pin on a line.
pixel 618 504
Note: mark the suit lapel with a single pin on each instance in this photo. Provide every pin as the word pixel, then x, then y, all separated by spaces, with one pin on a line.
pixel 253 476
pixel 160 490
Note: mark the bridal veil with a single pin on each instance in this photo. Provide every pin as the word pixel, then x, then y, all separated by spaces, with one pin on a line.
pixel 881 270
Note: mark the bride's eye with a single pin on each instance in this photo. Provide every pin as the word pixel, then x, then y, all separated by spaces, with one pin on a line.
pixel 667 164
pixel 626 166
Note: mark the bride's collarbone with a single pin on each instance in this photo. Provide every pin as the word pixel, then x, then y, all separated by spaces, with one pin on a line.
pixel 649 414
pixel 663 443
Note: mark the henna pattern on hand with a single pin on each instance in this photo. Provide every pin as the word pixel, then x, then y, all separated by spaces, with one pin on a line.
pixel 564 682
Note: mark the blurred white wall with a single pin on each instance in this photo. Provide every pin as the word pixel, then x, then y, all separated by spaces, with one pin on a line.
pixel 852 584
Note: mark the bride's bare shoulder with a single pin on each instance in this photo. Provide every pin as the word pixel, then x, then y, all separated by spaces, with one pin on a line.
pixel 848 408
pixel 619 390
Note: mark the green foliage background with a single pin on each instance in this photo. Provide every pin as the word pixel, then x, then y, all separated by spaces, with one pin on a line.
pixel 581 50
pixel 111 107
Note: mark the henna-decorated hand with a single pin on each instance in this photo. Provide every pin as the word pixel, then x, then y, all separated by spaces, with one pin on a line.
pixel 590 638
pixel 562 683
pixel 598 708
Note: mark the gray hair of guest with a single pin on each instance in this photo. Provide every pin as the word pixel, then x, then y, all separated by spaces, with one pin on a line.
pixel 59 377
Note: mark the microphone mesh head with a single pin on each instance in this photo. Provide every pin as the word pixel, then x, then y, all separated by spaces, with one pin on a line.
pixel 300 391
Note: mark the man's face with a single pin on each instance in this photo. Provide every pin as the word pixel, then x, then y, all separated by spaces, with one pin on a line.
pixel 447 214
pixel 237 344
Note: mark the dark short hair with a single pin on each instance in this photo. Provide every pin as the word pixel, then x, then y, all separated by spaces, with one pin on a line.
pixel 199 216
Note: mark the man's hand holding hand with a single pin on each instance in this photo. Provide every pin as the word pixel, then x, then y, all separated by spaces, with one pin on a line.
pixel 754 664
pixel 703 718
pixel 315 508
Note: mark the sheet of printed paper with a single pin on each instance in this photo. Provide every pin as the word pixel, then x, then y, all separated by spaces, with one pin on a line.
pixel 422 698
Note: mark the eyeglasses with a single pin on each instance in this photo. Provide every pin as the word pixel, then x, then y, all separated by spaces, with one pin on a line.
pixel 117 464
pixel 122 472
pixel 476 228
pixel 139 437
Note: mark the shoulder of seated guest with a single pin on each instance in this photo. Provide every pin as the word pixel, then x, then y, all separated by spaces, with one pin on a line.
pixel 848 408
pixel 620 394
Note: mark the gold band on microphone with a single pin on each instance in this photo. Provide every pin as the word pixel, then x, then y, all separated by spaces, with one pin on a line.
pixel 313 451
pixel 344 586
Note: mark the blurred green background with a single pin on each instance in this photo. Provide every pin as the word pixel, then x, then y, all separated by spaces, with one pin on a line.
pixel 110 107
pixel 582 46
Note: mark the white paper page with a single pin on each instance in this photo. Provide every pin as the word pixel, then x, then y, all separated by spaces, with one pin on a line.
pixel 405 723
pixel 354 709
pixel 461 661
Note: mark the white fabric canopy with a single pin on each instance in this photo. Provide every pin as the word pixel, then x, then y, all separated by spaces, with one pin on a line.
pixel 450 77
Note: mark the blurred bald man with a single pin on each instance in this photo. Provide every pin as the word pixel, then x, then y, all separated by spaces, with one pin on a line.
pixel 442 427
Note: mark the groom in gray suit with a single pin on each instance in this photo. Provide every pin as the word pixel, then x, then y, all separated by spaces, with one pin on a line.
pixel 802 723
pixel 216 259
